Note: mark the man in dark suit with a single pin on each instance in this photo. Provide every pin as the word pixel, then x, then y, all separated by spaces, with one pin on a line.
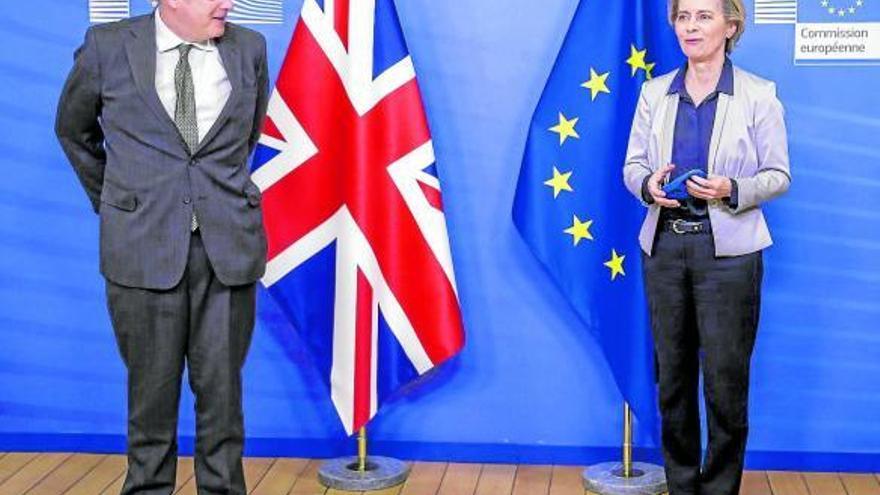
pixel 158 117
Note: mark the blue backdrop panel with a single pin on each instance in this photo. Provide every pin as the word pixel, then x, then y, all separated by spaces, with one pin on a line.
pixel 530 385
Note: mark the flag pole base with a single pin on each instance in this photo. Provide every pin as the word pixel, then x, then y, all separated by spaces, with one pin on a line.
pixel 380 472
pixel 608 479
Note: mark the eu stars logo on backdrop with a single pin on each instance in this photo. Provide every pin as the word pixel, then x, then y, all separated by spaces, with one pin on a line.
pixel 827 32
pixel 243 12
pixel 829 10
pixel 571 206
pixel 792 11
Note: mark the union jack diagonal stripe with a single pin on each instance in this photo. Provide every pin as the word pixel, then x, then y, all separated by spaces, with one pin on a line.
pixel 359 255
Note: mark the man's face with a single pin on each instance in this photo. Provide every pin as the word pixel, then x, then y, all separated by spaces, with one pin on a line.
pixel 203 19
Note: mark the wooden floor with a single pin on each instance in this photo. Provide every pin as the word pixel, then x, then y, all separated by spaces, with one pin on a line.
pixel 87 474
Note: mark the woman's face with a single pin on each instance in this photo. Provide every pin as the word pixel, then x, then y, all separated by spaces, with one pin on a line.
pixel 701 29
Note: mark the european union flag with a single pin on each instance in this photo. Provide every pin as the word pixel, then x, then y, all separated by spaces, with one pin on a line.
pixel 571 205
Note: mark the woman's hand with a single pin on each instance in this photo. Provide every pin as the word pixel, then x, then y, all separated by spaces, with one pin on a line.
pixel 654 187
pixel 715 187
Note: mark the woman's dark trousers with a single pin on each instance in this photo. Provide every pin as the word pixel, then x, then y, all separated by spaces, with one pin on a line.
pixel 704 315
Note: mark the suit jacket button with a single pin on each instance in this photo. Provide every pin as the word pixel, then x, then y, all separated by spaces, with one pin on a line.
pixel 193 162
pixel 186 200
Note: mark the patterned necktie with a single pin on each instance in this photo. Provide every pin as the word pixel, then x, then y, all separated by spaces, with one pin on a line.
pixel 185 107
pixel 185 104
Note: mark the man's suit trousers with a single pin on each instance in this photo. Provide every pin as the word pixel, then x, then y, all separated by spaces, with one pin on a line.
pixel 704 314
pixel 206 326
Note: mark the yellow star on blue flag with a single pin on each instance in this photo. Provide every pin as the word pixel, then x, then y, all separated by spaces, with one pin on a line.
pixel 579 230
pixel 559 182
pixel 597 83
pixel 615 264
pixel 636 59
pixel 565 128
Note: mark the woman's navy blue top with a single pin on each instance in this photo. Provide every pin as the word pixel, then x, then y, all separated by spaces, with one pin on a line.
pixel 693 134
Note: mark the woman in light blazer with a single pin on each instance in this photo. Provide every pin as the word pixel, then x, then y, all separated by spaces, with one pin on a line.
pixel 701 257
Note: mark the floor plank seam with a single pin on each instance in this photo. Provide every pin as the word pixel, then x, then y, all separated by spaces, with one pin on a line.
pixel 32 459
pixel 479 475
pixel 46 475
pixel 442 477
pixel 513 483
pixel 116 478
pixel 88 471
pixel 257 484
pixel 263 474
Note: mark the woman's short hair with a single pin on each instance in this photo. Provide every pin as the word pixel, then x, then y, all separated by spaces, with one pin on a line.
pixel 734 11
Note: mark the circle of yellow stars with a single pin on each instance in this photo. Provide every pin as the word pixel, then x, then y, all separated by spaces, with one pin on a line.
pixel 842 11
pixel 565 128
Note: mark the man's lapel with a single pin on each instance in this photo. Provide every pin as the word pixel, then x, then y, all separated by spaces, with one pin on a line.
pixel 141 51
pixel 232 65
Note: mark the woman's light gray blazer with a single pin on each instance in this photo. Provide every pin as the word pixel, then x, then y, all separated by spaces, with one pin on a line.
pixel 748 144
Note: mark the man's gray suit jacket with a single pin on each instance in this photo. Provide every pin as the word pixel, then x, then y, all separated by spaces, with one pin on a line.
pixel 136 168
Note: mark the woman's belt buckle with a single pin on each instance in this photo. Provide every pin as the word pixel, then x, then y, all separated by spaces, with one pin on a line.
pixel 680 226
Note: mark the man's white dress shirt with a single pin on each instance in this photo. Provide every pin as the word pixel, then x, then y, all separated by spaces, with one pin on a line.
pixel 212 87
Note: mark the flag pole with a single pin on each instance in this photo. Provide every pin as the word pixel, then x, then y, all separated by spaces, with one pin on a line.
pixel 626 477
pixel 362 449
pixel 627 441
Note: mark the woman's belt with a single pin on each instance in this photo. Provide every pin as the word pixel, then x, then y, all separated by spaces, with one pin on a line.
pixel 681 226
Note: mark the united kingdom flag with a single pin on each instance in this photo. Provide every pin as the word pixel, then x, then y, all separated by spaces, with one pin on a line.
pixel 359 254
